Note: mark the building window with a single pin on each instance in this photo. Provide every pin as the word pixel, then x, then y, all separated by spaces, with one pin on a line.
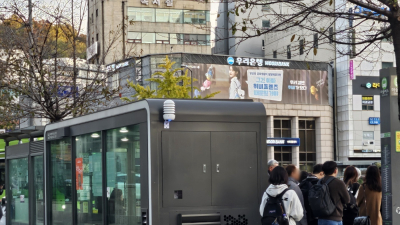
pixel 282 128
pixel 149 38
pixel 92 18
pixel 141 14
pixel 265 5
pixel 315 45
pixel 97 12
pixel 163 15
pixel 266 24
pixel 97 37
pixel 387 65
pixel 301 46
pixel 289 53
pixel 135 37
pixel 275 54
pixel 194 17
pixel 368 135
pixel 308 155
pixel 162 38
pixel 92 40
pixel 331 35
pixel 367 103
pixel 353 43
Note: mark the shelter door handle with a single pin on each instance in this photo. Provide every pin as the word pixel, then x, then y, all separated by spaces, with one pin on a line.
pixel 204 168
pixel 217 168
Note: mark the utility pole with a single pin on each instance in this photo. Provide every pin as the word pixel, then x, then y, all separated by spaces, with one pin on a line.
pixel 30 33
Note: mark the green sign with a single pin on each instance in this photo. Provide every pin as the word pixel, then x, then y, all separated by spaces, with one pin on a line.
pixel 384 83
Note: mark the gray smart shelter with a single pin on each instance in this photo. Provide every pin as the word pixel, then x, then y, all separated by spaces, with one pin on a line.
pixel 121 166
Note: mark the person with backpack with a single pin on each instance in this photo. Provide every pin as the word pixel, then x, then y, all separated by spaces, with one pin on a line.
pixel 369 198
pixel 294 177
pixel 305 187
pixel 350 211
pixel 279 204
pixel 328 197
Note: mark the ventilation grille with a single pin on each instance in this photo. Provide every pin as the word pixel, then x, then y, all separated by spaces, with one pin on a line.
pixel 36 146
pixel 240 220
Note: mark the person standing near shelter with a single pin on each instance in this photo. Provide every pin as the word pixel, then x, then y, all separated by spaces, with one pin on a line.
pixel 271 165
pixel 305 186
pixel 279 189
pixel 369 198
pixel 338 194
pixel 294 177
pixel 350 211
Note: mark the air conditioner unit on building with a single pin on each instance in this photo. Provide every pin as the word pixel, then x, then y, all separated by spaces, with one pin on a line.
pixel 372 142
pixel 263 48
pixel 366 143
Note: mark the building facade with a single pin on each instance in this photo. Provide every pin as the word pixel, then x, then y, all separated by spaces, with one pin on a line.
pixel 122 29
pixel 298 99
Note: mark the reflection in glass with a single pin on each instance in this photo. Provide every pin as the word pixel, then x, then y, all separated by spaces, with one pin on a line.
pixel 38 185
pixel 61 178
pixel 88 169
pixel 123 176
pixel 18 173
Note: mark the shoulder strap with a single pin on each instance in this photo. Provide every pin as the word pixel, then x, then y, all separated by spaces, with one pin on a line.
pixel 280 196
pixel 329 180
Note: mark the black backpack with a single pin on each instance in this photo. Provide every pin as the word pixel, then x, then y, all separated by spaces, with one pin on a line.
pixel 305 187
pixel 350 210
pixel 274 211
pixel 320 199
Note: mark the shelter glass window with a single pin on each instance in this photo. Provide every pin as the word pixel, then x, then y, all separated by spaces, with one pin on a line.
pixel 61 181
pixel 282 128
pixel 88 170
pixel 38 183
pixel 123 175
pixel 18 174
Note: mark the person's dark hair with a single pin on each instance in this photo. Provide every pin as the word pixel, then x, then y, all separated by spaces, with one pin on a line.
pixel 373 179
pixel 317 169
pixel 303 175
pixel 350 175
pixel 237 70
pixel 329 167
pixel 278 176
pixel 290 169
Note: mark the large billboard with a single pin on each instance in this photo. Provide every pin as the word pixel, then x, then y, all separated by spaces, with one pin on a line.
pixel 267 84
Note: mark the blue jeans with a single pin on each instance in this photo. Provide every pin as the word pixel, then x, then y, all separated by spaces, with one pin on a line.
pixel 329 222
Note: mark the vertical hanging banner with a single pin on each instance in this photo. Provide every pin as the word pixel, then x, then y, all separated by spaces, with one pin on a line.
pixel 351 70
pixel 265 84
pixel 79 173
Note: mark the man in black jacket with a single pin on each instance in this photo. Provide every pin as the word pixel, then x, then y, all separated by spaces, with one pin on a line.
pixel 305 186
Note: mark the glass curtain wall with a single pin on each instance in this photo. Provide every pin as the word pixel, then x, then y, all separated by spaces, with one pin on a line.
pixel 123 175
pixel 88 169
pixel 61 181
pixel 38 182
pixel 18 178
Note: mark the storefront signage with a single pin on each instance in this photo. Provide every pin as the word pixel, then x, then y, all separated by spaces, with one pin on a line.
pixel 283 141
pixel 369 100
pixel 57 134
pixel 367 151
pixel 369 85
pixel 256 62
pixel 351 70
pixel 374 121
pixel 79 173
pixel 384 85
pixel 113 67
pixel 393 86
pixel 397 141
pixel 385 135
pixel 169 3
pixel 265 84
pixel 362 10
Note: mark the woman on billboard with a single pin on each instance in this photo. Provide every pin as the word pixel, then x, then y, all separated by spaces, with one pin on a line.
pixel 235 88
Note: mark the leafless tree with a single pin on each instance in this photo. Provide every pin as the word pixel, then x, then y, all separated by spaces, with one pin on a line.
pixel 42 74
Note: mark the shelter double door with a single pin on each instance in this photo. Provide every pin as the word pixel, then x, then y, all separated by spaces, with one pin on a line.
pixel 203 169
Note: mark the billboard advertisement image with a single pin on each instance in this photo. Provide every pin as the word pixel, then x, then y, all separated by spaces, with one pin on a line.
pixel 266 84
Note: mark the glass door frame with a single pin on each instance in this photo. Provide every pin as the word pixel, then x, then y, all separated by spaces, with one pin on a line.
pixel 32 204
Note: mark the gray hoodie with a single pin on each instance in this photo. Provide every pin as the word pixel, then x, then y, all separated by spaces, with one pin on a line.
pixel 294 185
pixel 291 202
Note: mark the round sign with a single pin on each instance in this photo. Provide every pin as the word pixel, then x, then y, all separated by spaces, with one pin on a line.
pixel 398 210
pixel 230 60
pixel 368 85
pixel 384 83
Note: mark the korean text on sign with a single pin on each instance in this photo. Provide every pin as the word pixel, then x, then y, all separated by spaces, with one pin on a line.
pixel 265 84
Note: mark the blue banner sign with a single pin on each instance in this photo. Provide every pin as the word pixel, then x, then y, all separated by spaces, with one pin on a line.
pixel 374 121
pixel 283 141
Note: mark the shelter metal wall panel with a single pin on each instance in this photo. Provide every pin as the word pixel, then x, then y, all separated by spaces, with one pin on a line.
pixel 17 151
pixel 186 169
pixel 234 167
